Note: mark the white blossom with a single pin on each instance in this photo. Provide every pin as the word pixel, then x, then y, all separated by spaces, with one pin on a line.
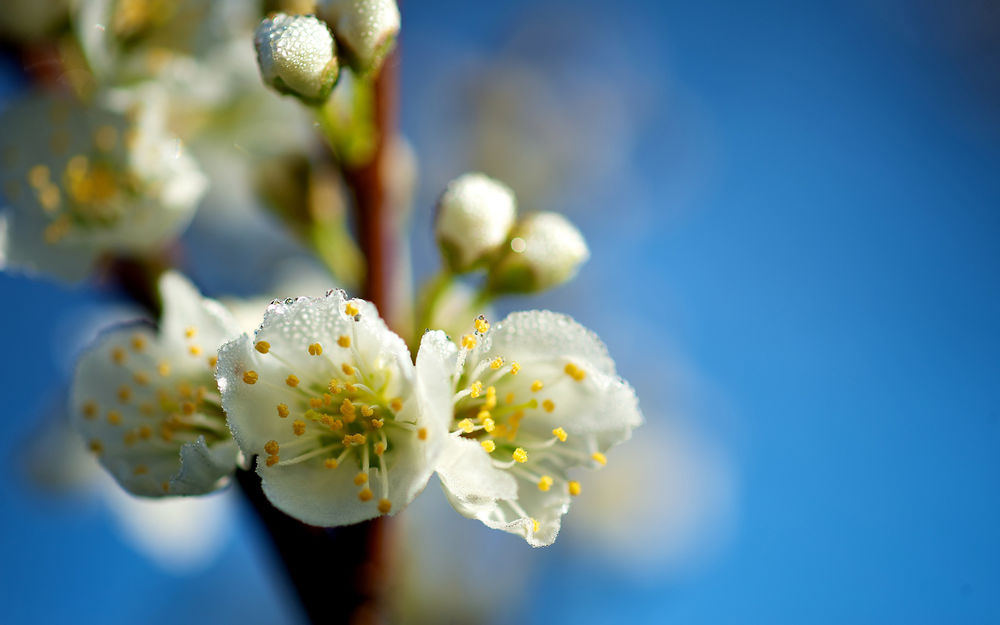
pixel 535 397
pixel 147 402
pixel 545 251
pixel 366 29
pixel 81 181
pixel 474 217
pixel 326 397
pixel 297 55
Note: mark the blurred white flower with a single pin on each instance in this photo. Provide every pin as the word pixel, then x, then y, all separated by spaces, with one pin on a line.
pixel 546 250
pixel 297 56
pixel 82 181
pixel 325 395
pixel 537 396
pixel 147 403
pixel 474 217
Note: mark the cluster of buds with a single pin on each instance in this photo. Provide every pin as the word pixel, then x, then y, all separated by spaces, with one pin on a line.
pixel 476 228
pixel 298 54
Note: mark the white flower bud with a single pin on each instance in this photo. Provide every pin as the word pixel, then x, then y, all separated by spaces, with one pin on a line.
pixel 297 56
pixel 474 217
pixel 366 29
pixel 545 251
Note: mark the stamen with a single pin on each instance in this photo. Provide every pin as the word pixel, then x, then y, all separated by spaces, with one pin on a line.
pixel 549 405
pixel 163 369
pixel 469 341
pixel 514 368
pixel 475 389
pixel 190 331
pixel 344 341
pixel 489 425
pixel 273 460
pixel 283 410
pixel 114 417
pixel 575 372
pixel 536 386
pixel 535 525
pixel 347 369
pixel 350 309
pixel 384 506
pixel 599 458
pixel 496 363
pixel 366 494
pixel 262 347
pixel 194 350
pixel 422 434
pixel 138 342
pixel 271 447
pixel 482 325
pixel 520 455
pixel 560 434
pixel 545 483
pixel 90 409
pixel 396 404
pixel 489 446
pixel 360 479
pixel 292 380
pixel 574 488
pixel 315 349
pixel 299 427
pixel 118 355
pixel 250 377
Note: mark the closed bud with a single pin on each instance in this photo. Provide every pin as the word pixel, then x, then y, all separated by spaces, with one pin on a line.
pixel 545 251
pixel 474 217
pixel 297 56
pixel 366 30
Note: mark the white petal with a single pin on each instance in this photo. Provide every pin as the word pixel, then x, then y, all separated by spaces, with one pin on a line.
pixel 471 481
pixel 545 335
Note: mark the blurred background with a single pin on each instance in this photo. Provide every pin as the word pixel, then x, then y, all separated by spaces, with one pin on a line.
pixel 792 210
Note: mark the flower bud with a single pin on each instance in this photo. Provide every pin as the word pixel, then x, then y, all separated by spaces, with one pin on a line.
pixel 296 55
pixel 366 30
pixel 474 217
pixel 545 251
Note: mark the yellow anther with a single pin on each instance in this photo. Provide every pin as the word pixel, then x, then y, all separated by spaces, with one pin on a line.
pixel 560 434
pixel 489 446
pixel 118 355
pixel 360 479
pixel 350 309
pixel 187 408
pixel 366 494
pixel 466 426
pixel 145 432
pixel 146 408
pixel 468 341
pixel 95 446
pixel 355 439
pixel 184 390
pixel 38 176
pixel 166 433
pixel 190 331
pixel 129 438
pixel 141 378
pixel 194 350
pixel 422 434
pixel 347 408
pixel 491 402
pixel 299 427
pixel 262 347
pixel 330 422
pixel 396 404
pixel 327 399
pixel 574 488
pixel 496 363
pixel 292 380
pixel 347 369
pixel 536 386
pixel 367 410
pixel 514 368
pixel 283 410
pixel 213 361
pixel 330 463
pixel 510 398
pixel 574 372
pixel 599 458
pixel 344 341
pixel 489 425
pixel 114 417
pixel 520 455
pixel 316 402
pixel 140 469
pixel 545 483
pixel 273 460
pixel 350 387
pixel 163 369
pixel 483 414
pixel 315 349
pixel 378 423
pixel 89 409
pixel 271 447
pixel 379 448
pixel 482 325
pixel 549 405
pixel 334 386
pixel 384 506
pixel 475 389
pixel 250 377
pixel 138 342
pixel 535 525
pixel 166 485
